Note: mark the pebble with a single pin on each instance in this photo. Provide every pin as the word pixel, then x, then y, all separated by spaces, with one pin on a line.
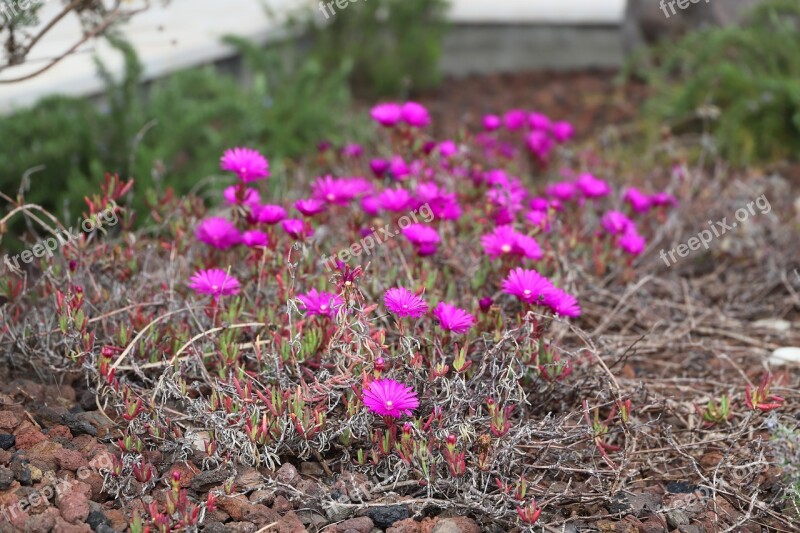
pixel 784 356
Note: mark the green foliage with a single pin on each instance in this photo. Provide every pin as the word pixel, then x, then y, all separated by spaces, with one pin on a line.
pixel 395 45
pixel 163 136
pixel 742 84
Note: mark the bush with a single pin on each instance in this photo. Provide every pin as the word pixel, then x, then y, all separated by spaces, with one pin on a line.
pixel 163 135
pixel 394 45
pixel 742 84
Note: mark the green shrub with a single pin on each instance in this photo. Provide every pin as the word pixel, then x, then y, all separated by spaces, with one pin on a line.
pixel 163 135
pixel 394 45
pixel 742 84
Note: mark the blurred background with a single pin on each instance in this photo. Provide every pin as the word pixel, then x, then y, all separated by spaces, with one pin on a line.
pixel 156 90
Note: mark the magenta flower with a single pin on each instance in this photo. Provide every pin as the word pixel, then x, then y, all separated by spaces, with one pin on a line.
pixel 632 242
pixel 387 114
pixel 269 214
pixel 638 201
pixel 539 121
pixel 540 204
pixel 504 240
pixel 562 190
pixel 563 131
pixel 540 219
pixel 320 303
pixel 353 150
pixel 447 149
pixel 371 205
pixel 663 199
pixel 527 285
pixel 310 206
pixel 398 168
pixel 514 119
pixel 248 164
pixel 218 232
pixel 592 187
pixel 395 200
pixel 616 222
pixel 255 238
pixel 561 303
pixel 379 167
pixel 250 198
pixel 540 144
pixel 491 122
pixel 387 397
pixel 452 318
pixel 403 302
pixel 295 228
pixel 215 282
pixel 424 238
pixel 415 115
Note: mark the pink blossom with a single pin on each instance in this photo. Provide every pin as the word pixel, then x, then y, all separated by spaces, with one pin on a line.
pixel 563 131
pixel 218 232
pixel 504 240
pixel 255 238
pixel 395 200
pixel 616 222
pixel 539 144
pixel 387 114
pixel 592 187
pixel 379 167
pixel 215 282
pixel 404 303
pixel 632 242
pixel 447 149
pixel 424 238
pixel 320 303
pixel 251 196
pixel 562 190
pixel 562 303
pixel 514 119
pixel 310 206
pixel 452 318
pixel 540 122
pixel 527 285
pixel 295 228
pixel 398 168
pixel 248 164
pixel 638 201
pixel 353 150
pixel 491 122
pixel 269 214
pixel 387 397
pixel 415 115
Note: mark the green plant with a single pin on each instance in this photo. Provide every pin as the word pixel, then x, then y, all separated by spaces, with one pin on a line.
pixel 161 136
pixel 394 45
pixel 741 84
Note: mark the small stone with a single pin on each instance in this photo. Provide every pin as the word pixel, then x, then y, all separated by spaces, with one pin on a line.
pixel 74 504
pixel 8 420
pixel 40 523
pixel 459 524
pixel 785 356
pixel 311 469
pixel 214 527
pixel 7 441
pixel 676 518
pixel 103 528
pixel 290 523
pixel 96 519
pixel 362 524
pixel 6 478
pixel 409 525
pixel 288 474
pixel 281 504
pixel 387 515
pixel 70 460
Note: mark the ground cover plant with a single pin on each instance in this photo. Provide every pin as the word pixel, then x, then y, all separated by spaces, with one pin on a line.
pixel 476 326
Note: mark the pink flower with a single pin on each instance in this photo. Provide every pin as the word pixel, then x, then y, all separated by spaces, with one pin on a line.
pixel 352 150
pixel 255 238
pixel 269 214
pixel 310 207
pixel 251 196
pixel 615 222
pixel 340 191
pixel 561 303
pixel 425 238
pixel 447 149
pixel 663 199
pixel 295 228
pixel 215 282
pixel 539 121
pixel 387 114
pixel 540 219
pixel 415 115
pixel 248 164
pixel 452 318
pixel 398 168
pixel 218 232
pixel 491 122
pixel 514 119
pixel 403 302
pixel 540 204
pixel 563 191
pixel 371 205
pixel 387 397
pixel 379 167
pixel 320 303
pixel 632 242
pixel 638 201
pixel 504 240
pixel 563 131
pixel 592 187
pixel 539 144
pixel 395 200
pixel 527 285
